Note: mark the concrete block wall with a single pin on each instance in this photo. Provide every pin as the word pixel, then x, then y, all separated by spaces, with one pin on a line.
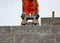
pixel 30 34
pixel 50 21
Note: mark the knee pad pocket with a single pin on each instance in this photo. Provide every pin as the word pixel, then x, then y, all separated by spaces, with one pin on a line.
pixel 36 15
pixel 23 16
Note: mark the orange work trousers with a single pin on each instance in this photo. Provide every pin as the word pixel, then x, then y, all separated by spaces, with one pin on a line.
pixel 29 7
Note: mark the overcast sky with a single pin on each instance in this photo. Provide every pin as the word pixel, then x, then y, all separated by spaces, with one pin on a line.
pixel 10 10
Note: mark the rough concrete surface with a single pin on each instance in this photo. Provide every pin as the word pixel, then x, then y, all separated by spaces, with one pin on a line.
pixel 30 34
pixel 50 21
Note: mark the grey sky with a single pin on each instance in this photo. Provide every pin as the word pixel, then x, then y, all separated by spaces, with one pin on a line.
pixel 10 10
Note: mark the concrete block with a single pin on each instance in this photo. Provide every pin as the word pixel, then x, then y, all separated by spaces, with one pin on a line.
pixel 5 29
pixel 5 42
pixel 27 38
pixel 50 21
pixel 37 38
pixel 41 29
pixel 31 29
pixel 20 29
pixel 58 37
pixel 6 38
pixel 55 29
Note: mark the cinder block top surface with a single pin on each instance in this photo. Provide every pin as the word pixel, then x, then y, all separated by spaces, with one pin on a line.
pixel 50 21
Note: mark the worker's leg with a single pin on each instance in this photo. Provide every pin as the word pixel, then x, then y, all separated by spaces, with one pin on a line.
pixel 23 16
pixel 36 15
pixel 27 12
pixel 32 12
